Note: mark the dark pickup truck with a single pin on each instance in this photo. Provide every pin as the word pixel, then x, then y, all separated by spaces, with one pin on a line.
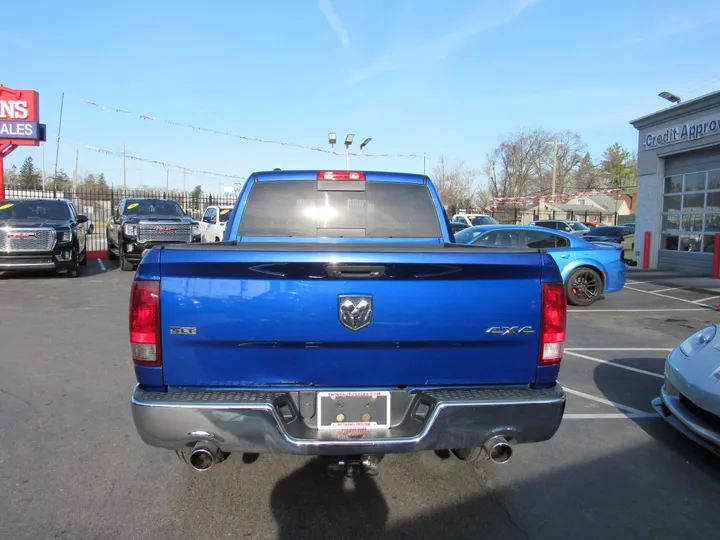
pixel 324 324
pixel 138 224
pixel 42 234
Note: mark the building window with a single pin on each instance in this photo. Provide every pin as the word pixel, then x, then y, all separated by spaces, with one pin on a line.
pixel 691 212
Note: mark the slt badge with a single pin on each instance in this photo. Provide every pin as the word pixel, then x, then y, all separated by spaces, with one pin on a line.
pixel 355 311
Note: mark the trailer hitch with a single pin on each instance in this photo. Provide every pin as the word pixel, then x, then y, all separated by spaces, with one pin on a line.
pixel 354 466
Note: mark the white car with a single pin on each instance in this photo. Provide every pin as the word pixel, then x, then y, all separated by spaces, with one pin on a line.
pixel 472 220
pixel 212 225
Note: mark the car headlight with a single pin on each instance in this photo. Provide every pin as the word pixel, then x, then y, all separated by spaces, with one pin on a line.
pixel 65 236
pixel 130 229
pixel 698 341
pixel 196 229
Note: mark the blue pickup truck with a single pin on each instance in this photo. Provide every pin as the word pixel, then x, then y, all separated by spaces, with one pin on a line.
pixel 338 318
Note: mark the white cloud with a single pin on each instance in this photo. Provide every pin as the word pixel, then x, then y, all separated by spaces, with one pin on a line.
pixel 333 19
pixel 422 53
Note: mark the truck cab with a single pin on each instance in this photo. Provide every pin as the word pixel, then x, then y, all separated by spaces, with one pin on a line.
pixel 214 220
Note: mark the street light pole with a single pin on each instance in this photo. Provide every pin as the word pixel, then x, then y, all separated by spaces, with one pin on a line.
pixel 348 141
pixel 332 139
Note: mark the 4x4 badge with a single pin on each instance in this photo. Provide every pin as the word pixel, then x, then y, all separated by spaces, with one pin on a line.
pixel 509 330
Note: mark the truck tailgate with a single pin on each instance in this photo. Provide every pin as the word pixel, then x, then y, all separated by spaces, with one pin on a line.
pixel 239 317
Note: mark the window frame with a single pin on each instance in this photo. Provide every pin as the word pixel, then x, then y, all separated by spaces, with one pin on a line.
pixel 682 235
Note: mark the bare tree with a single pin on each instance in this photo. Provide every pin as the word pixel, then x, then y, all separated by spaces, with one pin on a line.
pixel 522 164
pixel 457 185
pixel 515 166
pixel 570 152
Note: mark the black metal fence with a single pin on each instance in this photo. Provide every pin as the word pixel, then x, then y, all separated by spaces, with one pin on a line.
pixel 99 204
pixel 519 216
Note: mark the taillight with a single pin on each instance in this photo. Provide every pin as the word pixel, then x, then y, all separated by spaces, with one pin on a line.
pixel 145 323
pixel 552 325
pixel 341 175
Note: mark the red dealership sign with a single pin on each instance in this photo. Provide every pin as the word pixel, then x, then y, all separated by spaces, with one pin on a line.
pixel 19 123
pixel 19 117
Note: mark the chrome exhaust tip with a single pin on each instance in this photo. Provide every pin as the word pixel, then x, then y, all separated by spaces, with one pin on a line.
pixel 498 450
pixel 204 455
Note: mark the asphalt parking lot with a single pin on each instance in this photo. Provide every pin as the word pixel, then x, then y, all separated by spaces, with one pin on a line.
pixel 72 466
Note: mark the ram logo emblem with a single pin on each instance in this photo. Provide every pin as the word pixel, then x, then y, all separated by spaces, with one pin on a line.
pixel 355 312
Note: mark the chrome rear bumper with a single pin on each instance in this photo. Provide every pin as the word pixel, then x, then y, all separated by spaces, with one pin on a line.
pixel 262 421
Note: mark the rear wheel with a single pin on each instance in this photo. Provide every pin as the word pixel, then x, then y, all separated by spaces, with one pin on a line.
pixel 584 286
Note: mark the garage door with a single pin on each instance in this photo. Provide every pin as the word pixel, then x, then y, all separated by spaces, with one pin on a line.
pixel 691 211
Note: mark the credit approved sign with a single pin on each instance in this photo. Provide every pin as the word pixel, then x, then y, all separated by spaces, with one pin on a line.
pixel 687 131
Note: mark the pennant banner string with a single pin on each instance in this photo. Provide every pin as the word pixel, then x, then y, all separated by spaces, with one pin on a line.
pixel 242 137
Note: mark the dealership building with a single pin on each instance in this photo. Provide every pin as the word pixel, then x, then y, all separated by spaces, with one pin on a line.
pixel 679 185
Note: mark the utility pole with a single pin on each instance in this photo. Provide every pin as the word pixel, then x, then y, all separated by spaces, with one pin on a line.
pixel 167 180
pixel 124 173
pixel 75 172
pixel 184 186
pixel 554 176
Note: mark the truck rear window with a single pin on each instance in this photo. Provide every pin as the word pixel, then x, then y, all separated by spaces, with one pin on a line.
pixel 299 208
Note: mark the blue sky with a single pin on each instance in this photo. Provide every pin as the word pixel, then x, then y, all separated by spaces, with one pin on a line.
pixel 439 77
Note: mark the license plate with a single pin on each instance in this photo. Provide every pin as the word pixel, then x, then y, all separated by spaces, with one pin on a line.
pixel 354 410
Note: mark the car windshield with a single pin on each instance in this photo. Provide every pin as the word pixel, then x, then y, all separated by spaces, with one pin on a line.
pixel 150 207
pixel 612 232
pixel 577 226
pixel 482 220
pixel 35 210
pixel 225 214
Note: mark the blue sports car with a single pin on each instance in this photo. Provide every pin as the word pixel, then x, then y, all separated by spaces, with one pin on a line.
pixel 587 269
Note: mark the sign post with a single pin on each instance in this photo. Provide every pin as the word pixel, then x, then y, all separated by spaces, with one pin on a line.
pixel 19 124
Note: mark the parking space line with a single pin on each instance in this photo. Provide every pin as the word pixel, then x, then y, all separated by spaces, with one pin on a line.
pixel 102 265
pixel 671 289
pixel 637 310
pixel 667 296
pixel 605 416
pixel 616 349
pixel 621 366
pixel 706 299
pixel 603 401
